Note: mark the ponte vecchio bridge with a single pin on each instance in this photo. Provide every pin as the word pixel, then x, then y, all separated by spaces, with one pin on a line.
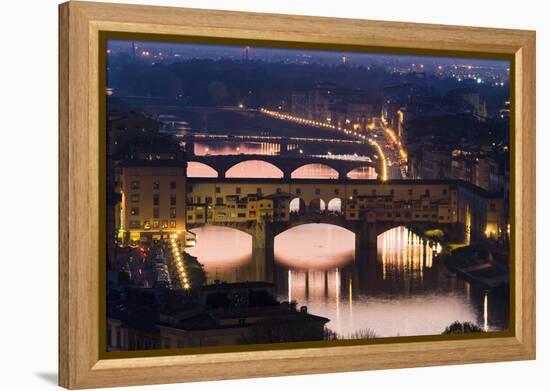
pixel 264 208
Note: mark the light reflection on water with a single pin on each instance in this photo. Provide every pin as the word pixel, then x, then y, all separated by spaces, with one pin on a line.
pixel 403 292
pixel 318 247
pixel 315 171
pixel 362 173
pixel 254 169
pixel 200 170
pixel 232 148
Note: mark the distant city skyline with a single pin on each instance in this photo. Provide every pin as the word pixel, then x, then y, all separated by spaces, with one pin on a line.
pixel 175 51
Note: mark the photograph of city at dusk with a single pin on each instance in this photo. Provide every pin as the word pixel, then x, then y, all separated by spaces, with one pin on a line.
pixel 261 195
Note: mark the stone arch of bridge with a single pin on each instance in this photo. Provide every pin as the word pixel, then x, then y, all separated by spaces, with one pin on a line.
pixel 201 170
pixel 313 171
pixel 244 169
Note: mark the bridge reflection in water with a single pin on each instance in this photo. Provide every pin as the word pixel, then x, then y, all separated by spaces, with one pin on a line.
pixel 402 291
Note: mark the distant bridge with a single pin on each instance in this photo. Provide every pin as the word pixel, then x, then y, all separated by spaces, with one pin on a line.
pixel 207 137
pixel 285 164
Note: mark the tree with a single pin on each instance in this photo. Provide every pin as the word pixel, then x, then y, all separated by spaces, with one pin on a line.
pixel 462 327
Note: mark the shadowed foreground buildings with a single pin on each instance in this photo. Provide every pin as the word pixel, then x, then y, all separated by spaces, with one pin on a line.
pixel 221 314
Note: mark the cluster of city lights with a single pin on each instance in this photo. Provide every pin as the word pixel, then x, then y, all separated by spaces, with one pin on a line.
pixel 309 122
pixel 178 261
pixel 397 142
pixel 384 174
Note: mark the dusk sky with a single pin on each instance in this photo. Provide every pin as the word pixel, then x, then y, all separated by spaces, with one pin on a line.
pixel 277 55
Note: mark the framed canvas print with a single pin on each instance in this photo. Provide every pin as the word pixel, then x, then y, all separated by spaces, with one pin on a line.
pixel 247 195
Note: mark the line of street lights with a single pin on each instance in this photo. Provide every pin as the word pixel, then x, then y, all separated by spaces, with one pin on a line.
pixel 180 265
pixel 318 124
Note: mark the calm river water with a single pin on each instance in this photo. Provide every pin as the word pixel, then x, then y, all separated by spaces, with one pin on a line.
pixel 404 291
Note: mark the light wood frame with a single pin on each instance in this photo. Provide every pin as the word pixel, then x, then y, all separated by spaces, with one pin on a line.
pixel 80 362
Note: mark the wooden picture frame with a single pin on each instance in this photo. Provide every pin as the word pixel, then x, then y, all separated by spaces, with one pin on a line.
pixel 81 364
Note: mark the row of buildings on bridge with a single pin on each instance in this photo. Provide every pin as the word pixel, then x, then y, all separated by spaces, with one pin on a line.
pixel 158 199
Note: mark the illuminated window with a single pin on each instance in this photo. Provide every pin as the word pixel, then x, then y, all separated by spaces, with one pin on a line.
pixel 164 224
pixel 156 224
pixel 172 223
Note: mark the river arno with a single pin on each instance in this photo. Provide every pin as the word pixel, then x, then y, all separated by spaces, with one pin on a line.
pixel 404 291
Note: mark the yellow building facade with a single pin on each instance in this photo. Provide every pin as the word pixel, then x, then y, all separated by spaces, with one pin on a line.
pixel 153 200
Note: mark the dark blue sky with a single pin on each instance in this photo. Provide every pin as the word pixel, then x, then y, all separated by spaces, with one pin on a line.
pixel 295 55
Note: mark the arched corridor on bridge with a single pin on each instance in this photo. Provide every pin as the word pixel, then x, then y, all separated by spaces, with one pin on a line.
pixel 335 206
pixel 254 169
pixel 316 205
pixel 314 171
pixel 200 170
pixel 297 205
